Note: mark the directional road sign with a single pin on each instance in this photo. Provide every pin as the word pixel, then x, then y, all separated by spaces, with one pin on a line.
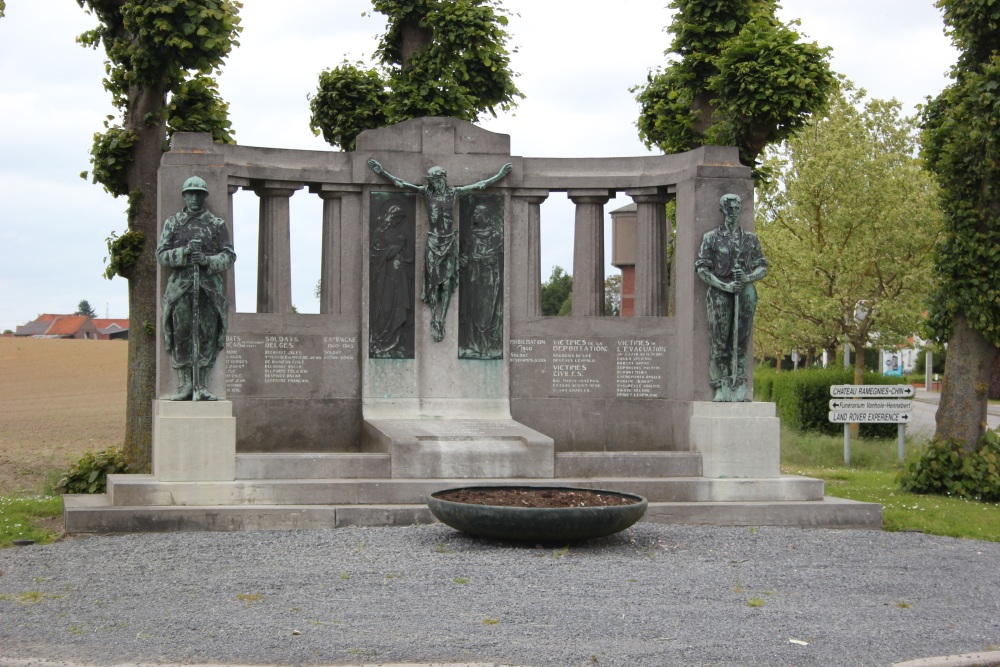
pixel 866 417
pixel 871 390
pixel 872 404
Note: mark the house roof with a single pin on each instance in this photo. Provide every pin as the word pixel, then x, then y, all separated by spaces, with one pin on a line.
pixel 105 325
pixel 53 325
pixel 67 325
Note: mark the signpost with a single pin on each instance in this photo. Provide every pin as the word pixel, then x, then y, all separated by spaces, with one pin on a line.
pixel 870 404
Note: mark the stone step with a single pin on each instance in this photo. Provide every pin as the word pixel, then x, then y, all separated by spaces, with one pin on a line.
pixel 312 466
pixel 628 464
pixel 144 490
pixel 378 466
pixel 96 514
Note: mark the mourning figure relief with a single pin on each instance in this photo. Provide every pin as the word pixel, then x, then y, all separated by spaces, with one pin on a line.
pixel 481 296
pixel 391 255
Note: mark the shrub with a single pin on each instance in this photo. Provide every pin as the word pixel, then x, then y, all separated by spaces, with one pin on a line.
pixel 803 398
pixel 90 473
pixel 945 468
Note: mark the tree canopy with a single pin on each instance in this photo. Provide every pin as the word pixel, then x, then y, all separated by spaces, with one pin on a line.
pixel 436 58
pixel 847 225
pixel 161 56
pixel 961 144
pixel 556 291
pixel 84 308
pixel 737 77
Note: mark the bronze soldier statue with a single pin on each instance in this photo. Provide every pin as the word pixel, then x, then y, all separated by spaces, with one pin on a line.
pixel 195 244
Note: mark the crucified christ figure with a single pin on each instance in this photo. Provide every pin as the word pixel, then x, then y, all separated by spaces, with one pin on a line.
pixel 441 257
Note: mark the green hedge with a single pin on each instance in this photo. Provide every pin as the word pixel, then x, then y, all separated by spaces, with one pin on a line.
pixel 803 397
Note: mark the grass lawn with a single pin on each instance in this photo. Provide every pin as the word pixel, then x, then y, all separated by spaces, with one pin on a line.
pixel 29 518
pixel 872 478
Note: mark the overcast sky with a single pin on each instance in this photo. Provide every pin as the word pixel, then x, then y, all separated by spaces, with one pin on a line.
pixel 576 59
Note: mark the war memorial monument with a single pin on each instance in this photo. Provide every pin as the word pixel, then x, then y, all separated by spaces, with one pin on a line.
pixel 430 364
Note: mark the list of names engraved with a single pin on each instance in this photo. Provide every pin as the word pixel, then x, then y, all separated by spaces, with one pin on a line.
pixel 285 362
pixel 575 365
pixel 639 368
pixel 237 364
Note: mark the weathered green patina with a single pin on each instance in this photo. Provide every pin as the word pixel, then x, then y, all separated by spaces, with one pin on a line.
pixel 391 276
pixel 730 261
pixel 480 322
pixel 195 243
pixel 441 256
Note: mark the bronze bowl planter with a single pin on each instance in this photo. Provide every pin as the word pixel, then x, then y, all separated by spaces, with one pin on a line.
pixel 537 524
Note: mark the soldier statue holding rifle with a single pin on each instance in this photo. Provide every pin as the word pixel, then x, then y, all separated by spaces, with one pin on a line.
pixel 195 244
pixel 730 261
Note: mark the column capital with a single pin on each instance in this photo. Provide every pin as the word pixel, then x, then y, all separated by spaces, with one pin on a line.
pixel 237 183
pixel 589 195
pixel 532 195
pixel 270 188
pixel 334 190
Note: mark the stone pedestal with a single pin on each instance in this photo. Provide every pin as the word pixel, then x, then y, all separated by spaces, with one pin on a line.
pixel 194 441
pixel 461 448
pixel 736 439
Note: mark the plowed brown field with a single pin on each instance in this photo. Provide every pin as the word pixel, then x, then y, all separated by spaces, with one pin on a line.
pixel 58 399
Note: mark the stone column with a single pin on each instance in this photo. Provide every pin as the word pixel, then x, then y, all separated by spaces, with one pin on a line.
pixel 532 250
pixel 588 251
pixel 274 261
pixel 336 293
pixel 650 241
pixel 229 277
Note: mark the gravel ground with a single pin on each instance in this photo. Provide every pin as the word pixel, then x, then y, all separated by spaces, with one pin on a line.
pixel 652 595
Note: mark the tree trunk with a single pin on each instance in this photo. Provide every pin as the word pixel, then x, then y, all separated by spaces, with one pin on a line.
pixel 962 413
pixel 415 39
pixel 859 378
pixel 142 292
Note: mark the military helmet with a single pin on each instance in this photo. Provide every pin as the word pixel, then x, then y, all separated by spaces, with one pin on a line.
pixel 195 183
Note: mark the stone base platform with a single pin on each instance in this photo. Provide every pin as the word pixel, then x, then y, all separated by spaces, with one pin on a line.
pixel 272 492
pixel 95 514
pixel 466 448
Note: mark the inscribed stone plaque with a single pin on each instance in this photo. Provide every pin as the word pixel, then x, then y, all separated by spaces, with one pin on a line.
pixel 590 367
pixel 291 366
pixel 391 275
pixel 480 285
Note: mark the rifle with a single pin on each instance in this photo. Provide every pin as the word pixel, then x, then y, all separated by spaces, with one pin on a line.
pixel 195 246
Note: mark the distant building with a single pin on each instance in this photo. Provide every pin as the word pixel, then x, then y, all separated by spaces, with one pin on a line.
pixel 60 326
pixel 623 253
pixel 111 329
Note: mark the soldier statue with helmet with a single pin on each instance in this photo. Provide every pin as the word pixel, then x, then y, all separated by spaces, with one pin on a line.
pixel 195 243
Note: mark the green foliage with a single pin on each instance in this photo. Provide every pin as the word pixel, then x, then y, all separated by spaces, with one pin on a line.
pixel 153 46
pixel 19 516
pixel 84 308
pixel 196 106
pixel 349 100
pixel 90 473
pixel 154 43
pixel 802 397
pixel 556 291
pixel 961 144
pixel 847 223
pixel 3 7
pixel 123 252
pixel 945 468
pixel 613 295
pixel 436 58
pixel 743 78
pixel 111 155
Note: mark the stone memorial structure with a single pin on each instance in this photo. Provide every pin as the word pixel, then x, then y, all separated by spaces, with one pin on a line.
pixel 355 414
